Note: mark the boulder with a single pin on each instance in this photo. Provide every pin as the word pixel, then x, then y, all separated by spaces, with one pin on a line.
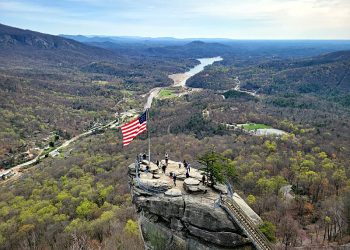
pixel 181 177
pixel 198 212
pixel 152 168
pixel 154 184
pixel 192 185
pixel 191 182
pixel 220 188
pixel 226 239
pixel 194 173
pixel 131 168
pixel 196 189
pixel 167 207
pixel 141 192
pixel 174 192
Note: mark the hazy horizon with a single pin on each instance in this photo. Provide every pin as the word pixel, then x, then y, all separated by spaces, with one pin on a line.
pixel 248 20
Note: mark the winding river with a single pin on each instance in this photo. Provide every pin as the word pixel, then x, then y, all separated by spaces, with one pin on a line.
pixel 180 79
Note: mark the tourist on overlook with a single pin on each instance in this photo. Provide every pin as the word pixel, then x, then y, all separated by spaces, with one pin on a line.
pixel 166 158
pixel 188 167
pixel 174 178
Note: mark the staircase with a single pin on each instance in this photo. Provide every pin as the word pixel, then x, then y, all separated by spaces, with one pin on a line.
pixel 249 228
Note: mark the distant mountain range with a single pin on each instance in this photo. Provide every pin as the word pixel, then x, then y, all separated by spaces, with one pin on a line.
pixel 29 45
pixel 139 39
pixel 274 48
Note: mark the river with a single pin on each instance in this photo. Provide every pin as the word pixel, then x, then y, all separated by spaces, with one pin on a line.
pixel 180 79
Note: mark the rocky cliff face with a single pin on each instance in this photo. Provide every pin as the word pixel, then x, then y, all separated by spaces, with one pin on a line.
pixel 185 216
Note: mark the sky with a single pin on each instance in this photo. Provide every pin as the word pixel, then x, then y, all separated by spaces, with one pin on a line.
pixel 236 19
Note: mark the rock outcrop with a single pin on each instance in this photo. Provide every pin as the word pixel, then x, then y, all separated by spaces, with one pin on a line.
pixel 186 216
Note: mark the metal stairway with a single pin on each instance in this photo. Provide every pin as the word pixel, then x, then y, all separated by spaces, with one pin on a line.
pixel 249 228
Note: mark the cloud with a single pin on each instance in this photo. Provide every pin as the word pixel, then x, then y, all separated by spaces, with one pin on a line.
pixel 206 18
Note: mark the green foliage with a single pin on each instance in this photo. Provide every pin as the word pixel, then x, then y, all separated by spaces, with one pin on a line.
pixel 158 239
pixel 200 127
pixel 251 200
pixel 86 209
pixel 254 126
pixel 131 227
pixel 218 167
pixel 239 95
pixel 166 93
pixel 269 230
pixel 271 185
pixel 270 145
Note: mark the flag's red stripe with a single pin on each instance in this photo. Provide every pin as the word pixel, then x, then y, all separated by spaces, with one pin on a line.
pixel 135 133
pixel 126 126
pixel 131 129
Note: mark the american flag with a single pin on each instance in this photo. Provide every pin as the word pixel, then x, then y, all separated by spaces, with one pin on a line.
pixel 132 129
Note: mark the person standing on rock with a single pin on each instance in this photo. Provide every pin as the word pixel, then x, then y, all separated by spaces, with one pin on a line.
pixel 174 178
pixel 185 164
pixel 189 167
pixel 157 162
pixel 166 158
pixel 164 168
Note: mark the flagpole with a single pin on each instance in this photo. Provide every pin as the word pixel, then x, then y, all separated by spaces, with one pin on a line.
pixel 149 141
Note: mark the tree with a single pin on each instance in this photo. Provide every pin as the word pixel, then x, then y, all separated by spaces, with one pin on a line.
pixel 86 209
pixel 288 229
pixel 338 178
pixel 131 227
pixel 269 230
pixel 218 167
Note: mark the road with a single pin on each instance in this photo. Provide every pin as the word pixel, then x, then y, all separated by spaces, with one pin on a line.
pixel 152 94
pixel 238 88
